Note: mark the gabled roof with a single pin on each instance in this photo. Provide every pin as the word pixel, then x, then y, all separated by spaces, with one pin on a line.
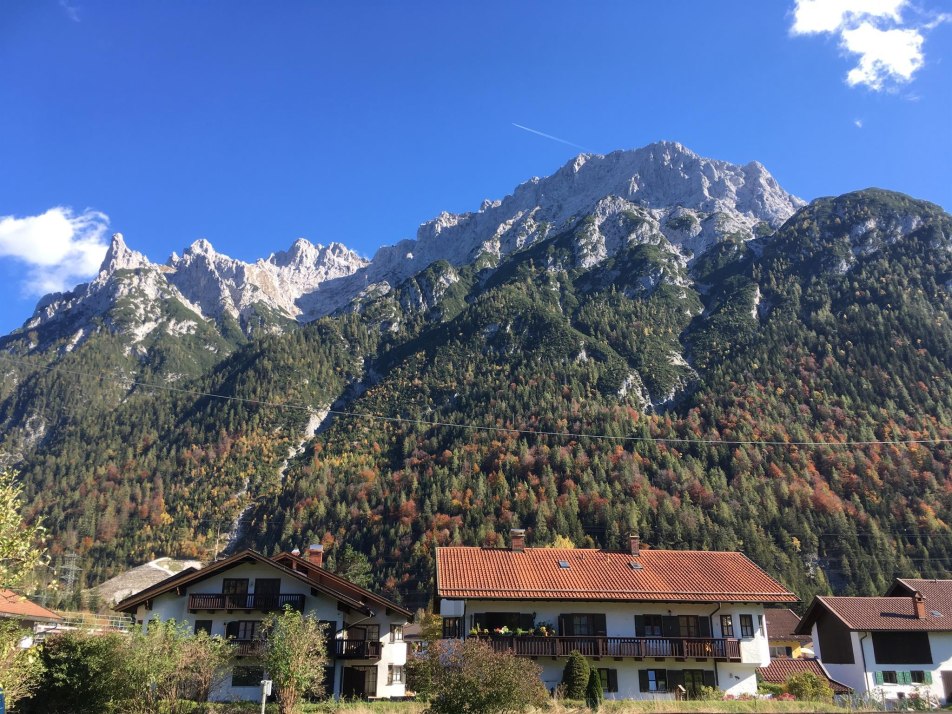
pixel 20 608
pixel 319 574
pixel 190 576
pixel 782 623
pixel 590 574
pixel 781 669
pixel 878 614
pixel 938 593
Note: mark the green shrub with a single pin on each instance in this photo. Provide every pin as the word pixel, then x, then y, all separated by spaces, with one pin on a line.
pixel 593 691
pixel 807 686
pixel 575 676
pixel 478 680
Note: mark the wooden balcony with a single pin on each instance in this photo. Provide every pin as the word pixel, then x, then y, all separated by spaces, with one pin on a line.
pixel 636 647
pixel 356 649
pixel 248 648
pixel 249 602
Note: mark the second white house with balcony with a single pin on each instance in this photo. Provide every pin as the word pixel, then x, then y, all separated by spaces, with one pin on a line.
pixel 653 623
pixel 232 596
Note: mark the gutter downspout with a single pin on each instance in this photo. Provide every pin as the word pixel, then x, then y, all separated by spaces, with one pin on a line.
pixel 717 676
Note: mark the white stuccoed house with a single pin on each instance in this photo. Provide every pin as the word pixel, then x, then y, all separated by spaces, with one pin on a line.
pixel 232 596
pixel 654 624
pixel 891 648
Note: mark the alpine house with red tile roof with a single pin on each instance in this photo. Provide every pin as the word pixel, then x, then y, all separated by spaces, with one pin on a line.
pixel 231 597
pixel 653 623
pixel 891 647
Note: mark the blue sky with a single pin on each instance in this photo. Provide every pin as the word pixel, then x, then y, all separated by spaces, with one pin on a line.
pixel 252 124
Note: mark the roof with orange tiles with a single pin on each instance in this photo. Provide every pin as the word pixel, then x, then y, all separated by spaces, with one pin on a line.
pixel 936 592
pixel 880 614
pixel 781 624
pixel 781 669
pixel 589 574
pixel 17 606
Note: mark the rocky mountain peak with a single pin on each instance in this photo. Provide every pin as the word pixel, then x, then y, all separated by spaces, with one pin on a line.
pixel 120 257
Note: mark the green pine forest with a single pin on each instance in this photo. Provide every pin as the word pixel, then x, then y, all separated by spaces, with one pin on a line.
pixel 635 371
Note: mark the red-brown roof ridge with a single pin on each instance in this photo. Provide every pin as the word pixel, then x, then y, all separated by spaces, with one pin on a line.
pixel 534 573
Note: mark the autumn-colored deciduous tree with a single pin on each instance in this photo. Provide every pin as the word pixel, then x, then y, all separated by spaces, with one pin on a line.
pixel 20 551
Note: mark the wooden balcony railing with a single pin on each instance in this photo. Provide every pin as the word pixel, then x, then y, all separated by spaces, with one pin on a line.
pixel 357 649
pixel 534 646
pixel 263 603
pixel 249 648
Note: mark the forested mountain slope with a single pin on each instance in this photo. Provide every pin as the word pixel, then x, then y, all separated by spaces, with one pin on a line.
pixel 600 378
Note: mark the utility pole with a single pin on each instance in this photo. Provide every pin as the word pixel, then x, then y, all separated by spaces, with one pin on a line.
pixel 70 572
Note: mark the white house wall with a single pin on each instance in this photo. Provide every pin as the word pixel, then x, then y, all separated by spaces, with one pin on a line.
pixel 733 677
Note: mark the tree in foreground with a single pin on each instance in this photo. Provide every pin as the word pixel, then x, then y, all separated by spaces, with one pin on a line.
pixel 295 655
pixel 593 691
pixel 423 664
pixel 20 552
pixel 575 676
pixel 20 669
pixel 478 680
pixel 808 686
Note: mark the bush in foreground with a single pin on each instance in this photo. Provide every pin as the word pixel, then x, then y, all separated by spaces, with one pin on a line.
pixel 478 680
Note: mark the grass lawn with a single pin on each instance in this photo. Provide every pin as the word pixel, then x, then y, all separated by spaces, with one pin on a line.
pixel 563 707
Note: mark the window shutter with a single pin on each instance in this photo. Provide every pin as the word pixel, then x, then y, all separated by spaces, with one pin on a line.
pixel 704 627
pixel 613 680
pixel 643 680
pixel 927 677
pixel 709 678
pixel 669 627
pixel 905 677
pixel 565 626
pixel 526 621
pixel 639 625
pixel 601 628
pixel 878 677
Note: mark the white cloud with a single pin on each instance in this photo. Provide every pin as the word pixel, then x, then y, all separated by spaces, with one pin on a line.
pixel 858 123
pixel 59 247
pixel 812 16
pixel 888 45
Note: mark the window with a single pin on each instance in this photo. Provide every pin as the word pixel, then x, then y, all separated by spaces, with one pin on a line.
pixel 609 679
pixel 363 632
pixel 582 625
pixel 564 564
pixel 693 681
pixel 648 625
pixel 452 628
pixel 889 677
pixel 396 633
pixel 688 626
pixel 243 630
pixel 234 586
pixel 394 674
pixel 203 626
pixel 746 626
pixel 653 680
pixel 497 620
pixel 727 626
pixel 919 676
pixel 781 652
pixel 267 586
pixel 242 676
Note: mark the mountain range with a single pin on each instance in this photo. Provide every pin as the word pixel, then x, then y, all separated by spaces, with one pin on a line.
pixel 646 340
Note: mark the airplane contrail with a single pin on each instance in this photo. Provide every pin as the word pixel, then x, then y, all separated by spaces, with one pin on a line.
pixel 548 136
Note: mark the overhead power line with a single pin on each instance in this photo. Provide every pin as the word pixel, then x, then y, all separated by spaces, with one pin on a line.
pixel 478 427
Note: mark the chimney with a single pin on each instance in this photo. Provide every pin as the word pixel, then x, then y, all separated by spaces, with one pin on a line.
pixel 518 538
pixel 315 555
pixel 919 604
pixel 635 543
